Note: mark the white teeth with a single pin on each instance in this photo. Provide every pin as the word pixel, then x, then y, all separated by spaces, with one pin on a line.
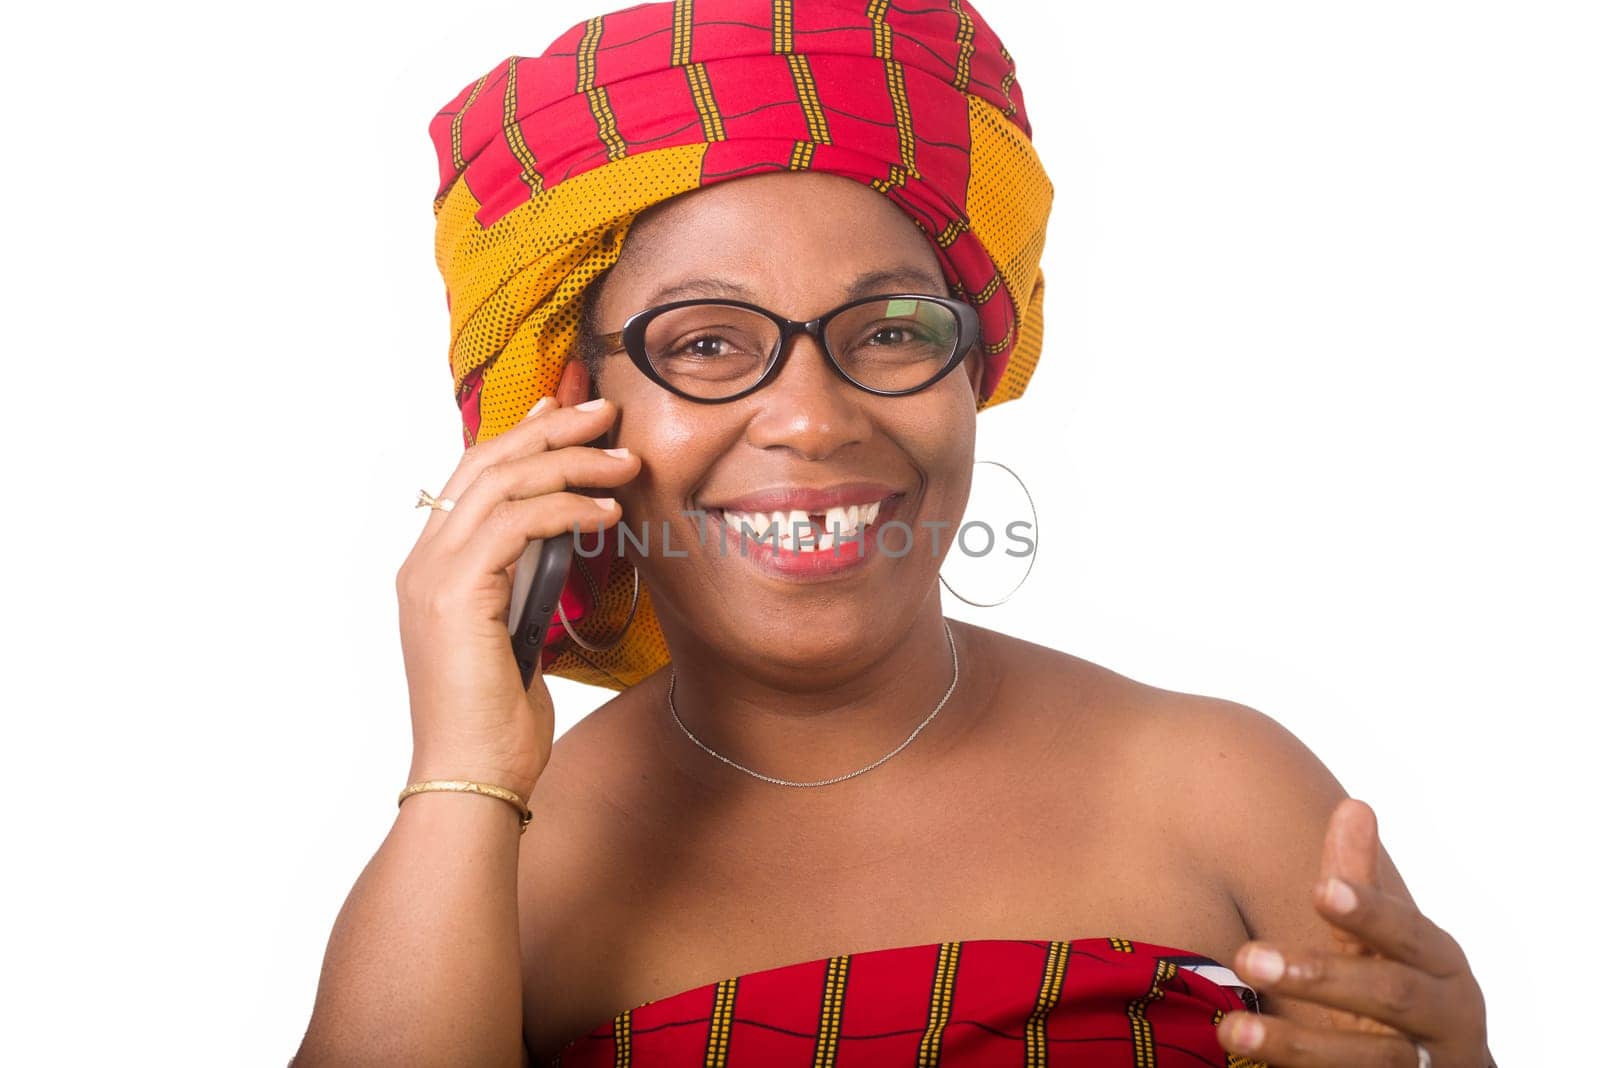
pixel 793 529
pixel 758 522
pixel 836 524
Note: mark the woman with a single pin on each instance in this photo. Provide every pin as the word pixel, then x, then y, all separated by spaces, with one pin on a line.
pixel 819 824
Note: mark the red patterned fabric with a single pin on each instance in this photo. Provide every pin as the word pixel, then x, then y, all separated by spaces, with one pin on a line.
pixel 986 1003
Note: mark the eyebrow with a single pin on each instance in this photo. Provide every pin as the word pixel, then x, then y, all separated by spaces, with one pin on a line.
pixel 863 285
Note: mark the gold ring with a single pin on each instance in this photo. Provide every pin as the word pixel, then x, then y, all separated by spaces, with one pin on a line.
pixel 428 500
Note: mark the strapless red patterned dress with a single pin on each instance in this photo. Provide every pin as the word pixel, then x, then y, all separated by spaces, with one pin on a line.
pixel 1087 1003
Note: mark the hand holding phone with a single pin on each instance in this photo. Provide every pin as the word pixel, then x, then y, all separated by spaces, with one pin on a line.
pixel 478 710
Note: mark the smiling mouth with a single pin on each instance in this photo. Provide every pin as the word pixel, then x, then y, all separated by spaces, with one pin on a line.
pixel 798 531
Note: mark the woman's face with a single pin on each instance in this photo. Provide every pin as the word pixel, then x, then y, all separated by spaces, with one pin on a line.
pixel 798 245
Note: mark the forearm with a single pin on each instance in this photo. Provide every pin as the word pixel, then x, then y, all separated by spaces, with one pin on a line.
pixel 423 965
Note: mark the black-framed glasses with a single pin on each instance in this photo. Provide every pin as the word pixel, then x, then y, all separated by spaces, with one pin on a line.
pixel 720 350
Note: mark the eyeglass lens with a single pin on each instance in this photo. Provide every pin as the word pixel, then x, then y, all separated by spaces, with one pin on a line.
pixel 717 350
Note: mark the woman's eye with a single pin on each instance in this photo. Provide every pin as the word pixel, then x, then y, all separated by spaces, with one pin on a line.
pixel 890 335
pixel 705 348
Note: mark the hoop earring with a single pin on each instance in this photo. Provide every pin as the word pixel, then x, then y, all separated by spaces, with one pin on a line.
pixel 572 632
pixel 1032 556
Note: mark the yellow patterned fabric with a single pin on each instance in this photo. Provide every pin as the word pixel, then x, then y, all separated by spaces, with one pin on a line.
pixel 545 162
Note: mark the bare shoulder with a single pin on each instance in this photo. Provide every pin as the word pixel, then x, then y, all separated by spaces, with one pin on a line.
pixel 1246 798
pixel 571 796
pixel 1262 800
pixel 577 759
pixel 599 768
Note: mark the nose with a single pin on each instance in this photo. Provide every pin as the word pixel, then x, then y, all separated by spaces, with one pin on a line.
pixel 807 407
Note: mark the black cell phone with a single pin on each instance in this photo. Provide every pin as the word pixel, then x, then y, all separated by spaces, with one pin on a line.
pixel 536 585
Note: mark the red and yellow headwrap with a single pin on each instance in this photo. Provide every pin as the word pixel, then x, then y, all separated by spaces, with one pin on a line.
pixel 545 162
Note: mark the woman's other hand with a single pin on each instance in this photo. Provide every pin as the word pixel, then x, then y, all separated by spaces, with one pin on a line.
pixel 470 716
pixel 1396 982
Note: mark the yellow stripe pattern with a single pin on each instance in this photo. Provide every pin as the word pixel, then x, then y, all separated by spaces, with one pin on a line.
pixel 514 138
pixel 1036 1046
pixel 944 983
pixel 994 348
pixel 882 35
pixel 907 168
pixel 605 121
pixel 721 1024
pixel 605 118
pixel 805 87
pixel 782 26
pixel 832 1016
pixel 622 1038
pixel 588 48
pixel 704 103
pixel 455 124
pixel 883 48
pixel 1144 1043
pixel 902 118
pixel 800 158
pixel 964 35
pixel 896 179
pixel 1008 81
pixel 682 31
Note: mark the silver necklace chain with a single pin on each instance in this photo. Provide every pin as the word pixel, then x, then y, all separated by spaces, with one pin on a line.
pixel 955 676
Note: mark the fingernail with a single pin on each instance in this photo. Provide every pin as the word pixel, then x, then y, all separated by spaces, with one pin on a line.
pixel 1338 896
pixel 1246 1034
pixel 590 405
pixel 623 453
pixel 604 503
pixel 1264 964
pixel 544 402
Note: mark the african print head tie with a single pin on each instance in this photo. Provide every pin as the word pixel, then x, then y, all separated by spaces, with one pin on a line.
pixel 545 162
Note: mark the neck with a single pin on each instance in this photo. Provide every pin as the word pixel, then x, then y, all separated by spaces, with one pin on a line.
pixel 807 721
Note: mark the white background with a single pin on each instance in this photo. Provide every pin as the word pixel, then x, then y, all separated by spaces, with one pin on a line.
pixel 1314 430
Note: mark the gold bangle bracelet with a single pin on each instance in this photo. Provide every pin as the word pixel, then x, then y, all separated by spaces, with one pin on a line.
pixel 468 787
